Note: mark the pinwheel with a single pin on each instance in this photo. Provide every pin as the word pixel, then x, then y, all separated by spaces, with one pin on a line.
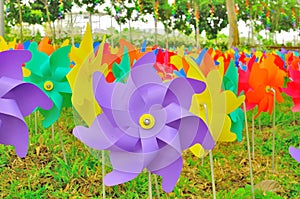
pixel 121 71
pixel 45 46
pixel 226 58
pixel 293 60
pixel 119 63
pixel 295 153
pixel 128 54
pixel 205 62
pixel 266 81
pixel 80 78
pixel 145 124
pixel 163 65
pixel 23 46
pixel 263 78
pixel 110 59
pixel 7 46
pixel 18 99
pixel 133 52
pixel 49 74
pixel 215 104
pixel 230 82
pixel 219 103
pixel 293 89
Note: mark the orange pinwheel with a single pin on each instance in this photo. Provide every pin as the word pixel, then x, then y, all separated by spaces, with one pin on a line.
pixel 265 77
pixel 45 46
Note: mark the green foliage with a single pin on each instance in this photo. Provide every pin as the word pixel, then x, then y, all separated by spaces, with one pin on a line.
pixel 90 4
pixel 35 11
pixel 280 14
pixel 246 193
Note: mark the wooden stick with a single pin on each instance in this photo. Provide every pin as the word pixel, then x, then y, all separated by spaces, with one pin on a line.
pixel 52 127
pixel 249 154
pixel 211 160
pixel 20 20
pixel 149 185
pixel 212 174
pixel 294 118
pixel 156 186
pixel 103 173
pixel 274 129
pixel 35 122
pixel 63 148
pixel 253 144
pixel 259 124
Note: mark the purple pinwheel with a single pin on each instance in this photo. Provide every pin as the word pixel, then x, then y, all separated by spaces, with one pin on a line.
pixel 145 124
pixel 295 153
pixel 17 100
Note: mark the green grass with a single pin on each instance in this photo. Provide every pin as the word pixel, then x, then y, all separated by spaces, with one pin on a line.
pixel 44 174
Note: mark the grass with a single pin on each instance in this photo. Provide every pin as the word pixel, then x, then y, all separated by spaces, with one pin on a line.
pixel 44 174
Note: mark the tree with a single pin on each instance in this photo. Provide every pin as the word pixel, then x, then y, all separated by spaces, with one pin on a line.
pixel 2 18
pixel 37 12
pixel 274 16
pixel 199 16
pixel 123 12
pixel 233 39
pixel 91 7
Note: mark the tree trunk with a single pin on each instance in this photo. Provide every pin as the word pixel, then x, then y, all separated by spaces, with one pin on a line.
pixel 91 21
pixel 49 20
pixel 167 37
pixel 155 34
pixel 233 39
pixel 120 30
pixel 71 25
pixel 112 31
pixel 2 18
pixel 197 25
pixel 174 36
pixel 20 20
pixel 54 32
pixel 130 33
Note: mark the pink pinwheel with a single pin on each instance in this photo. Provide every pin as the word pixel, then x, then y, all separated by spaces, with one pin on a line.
pixel 163 65
pixel 243 83
pixel 18 99
pixel 145 124
pixel 293 88
pixel 295 153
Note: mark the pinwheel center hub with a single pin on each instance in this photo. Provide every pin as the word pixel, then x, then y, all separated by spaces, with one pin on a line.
pixel 268 88
pixel 48 85
pixel 147 121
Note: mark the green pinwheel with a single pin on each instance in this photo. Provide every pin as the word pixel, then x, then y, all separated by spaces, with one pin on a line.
pixel 49 74
pixel 121 71
pixel 230 82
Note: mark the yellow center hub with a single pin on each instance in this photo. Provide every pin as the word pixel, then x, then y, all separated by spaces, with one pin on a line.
pixel 147 121
pixel 48 86
pixel 268 89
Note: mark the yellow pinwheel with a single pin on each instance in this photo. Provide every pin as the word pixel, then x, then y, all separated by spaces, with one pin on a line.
pixel 80 77
pixel 7 45
pixel 218 103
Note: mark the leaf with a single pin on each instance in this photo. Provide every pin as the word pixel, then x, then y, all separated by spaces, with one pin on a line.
pixel 38 149
pixel 269 185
